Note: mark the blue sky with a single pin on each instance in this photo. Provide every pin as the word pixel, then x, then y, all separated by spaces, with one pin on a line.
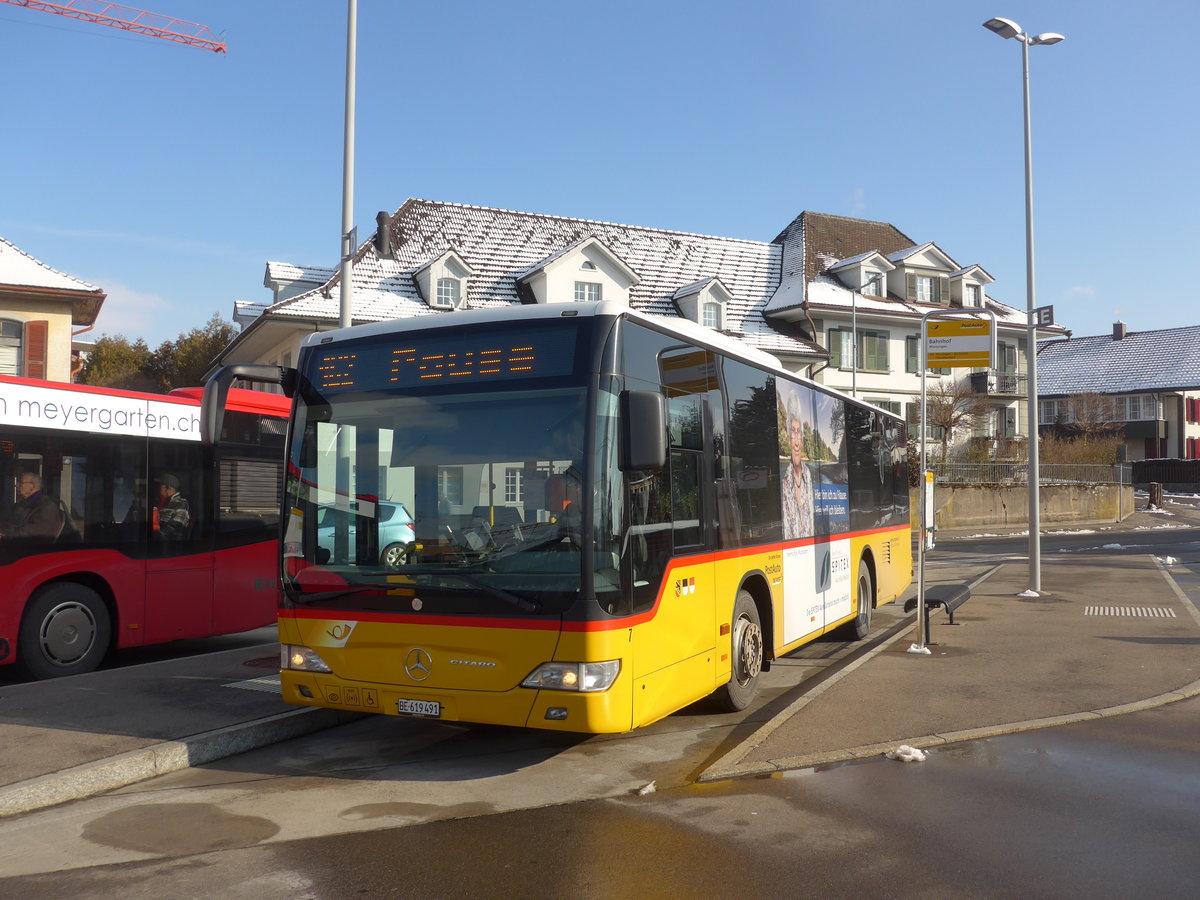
pixel 169 175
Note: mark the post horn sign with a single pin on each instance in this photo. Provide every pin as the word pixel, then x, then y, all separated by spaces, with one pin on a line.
pixel 958 342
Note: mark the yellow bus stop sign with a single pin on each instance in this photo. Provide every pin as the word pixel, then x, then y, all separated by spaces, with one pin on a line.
pixel 958 342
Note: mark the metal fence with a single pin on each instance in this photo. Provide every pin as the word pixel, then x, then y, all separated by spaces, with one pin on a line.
pixel 1018 473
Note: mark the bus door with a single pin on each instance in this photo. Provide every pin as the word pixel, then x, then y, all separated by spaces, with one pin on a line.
pixel 673 653
pixel 179 564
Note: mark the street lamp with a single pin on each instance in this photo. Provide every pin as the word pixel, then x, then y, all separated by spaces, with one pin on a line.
pixel 1007 28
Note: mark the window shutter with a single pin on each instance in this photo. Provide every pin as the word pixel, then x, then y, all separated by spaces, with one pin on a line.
pixel 943 289
pixel 835 348
pixel 36 341
pixel 911 285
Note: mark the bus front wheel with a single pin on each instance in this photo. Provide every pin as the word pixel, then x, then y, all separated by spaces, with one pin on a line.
pixel 65 631
pixel 747 655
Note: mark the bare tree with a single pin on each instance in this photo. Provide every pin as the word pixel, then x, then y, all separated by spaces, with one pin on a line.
pixel 951 405
pixel 1092 415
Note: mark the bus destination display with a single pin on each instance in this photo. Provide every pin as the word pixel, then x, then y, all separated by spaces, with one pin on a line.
pixel 425 360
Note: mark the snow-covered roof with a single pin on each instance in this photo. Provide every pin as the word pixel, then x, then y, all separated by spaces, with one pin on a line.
pixel 19 269
pixel 501 245
pixel 289 273
pixel 21 273
pixel 826 293
pixel 1167 359
pixel 861 257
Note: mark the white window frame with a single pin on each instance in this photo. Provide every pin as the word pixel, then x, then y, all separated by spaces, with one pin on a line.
pixel 514 484
pixel 12 345
pixel 447 292
pixel 588 292
pixel 710 314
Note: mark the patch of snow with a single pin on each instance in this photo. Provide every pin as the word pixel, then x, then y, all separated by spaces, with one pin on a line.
pixel 905 753
pixel 647 789
pixel 1029 593
pixel 920 651
pixel 1167 560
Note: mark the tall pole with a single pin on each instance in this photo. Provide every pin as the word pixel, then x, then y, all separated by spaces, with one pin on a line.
pixel 348 239
pixel 1035 513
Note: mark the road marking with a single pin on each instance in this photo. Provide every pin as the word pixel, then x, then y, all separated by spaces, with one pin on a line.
pixel 268 683
pixel 1153 612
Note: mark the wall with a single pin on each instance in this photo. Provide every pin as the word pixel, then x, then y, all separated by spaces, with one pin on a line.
pixel 1006 506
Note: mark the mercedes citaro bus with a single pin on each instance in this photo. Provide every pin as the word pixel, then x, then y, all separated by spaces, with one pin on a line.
pixel 613 515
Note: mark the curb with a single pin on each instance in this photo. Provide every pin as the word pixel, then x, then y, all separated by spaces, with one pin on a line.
pixel 93 778
pixel 731 765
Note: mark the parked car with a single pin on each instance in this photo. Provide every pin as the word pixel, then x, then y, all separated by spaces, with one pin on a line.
pixel 396 535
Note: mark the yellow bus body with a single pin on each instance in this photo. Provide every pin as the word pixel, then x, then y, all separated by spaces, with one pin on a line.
pixel 670 656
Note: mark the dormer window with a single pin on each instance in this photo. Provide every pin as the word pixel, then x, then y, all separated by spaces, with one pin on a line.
pixel 703 302
pixel 929 288
pixel 874 285
pixel 587 271
pixel 587 292
pixel 974 295
pixel 449 292
pixel 443 282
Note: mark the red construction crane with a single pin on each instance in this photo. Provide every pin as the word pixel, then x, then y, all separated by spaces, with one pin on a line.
pixel 129 19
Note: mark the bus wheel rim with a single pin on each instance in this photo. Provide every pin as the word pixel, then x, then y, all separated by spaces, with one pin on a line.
pixel 67 633
pixel 748 658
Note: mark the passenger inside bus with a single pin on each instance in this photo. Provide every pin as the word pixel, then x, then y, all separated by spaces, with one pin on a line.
pixel 34 515
pixel 173 515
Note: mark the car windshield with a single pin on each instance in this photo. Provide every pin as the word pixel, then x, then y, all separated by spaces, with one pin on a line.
pixel 465 503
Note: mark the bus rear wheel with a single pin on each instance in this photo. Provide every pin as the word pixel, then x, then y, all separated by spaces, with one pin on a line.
pixel 64 631
pixel 747 655
pixel 860 626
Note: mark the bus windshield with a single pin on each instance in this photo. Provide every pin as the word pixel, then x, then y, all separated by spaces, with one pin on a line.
pixel 435 502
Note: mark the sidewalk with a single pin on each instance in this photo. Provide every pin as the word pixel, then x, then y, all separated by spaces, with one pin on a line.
pixel 1088 647
pixel 73 737
pixel 1106 636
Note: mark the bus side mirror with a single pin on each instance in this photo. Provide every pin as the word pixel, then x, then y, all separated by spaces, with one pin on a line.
pixel 643 431
pixel 216 391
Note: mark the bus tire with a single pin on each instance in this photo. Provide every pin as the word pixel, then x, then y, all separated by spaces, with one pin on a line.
pixel 859 627
pixel 746 657
pixel 65 631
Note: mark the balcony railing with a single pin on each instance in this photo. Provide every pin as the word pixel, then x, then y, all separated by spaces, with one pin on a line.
pixel 1010 384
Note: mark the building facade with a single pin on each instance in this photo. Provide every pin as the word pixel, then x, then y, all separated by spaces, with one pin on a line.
pixel 42 311
pixel 840 300
pixel 1146 384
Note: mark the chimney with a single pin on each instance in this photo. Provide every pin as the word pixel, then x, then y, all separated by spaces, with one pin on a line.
pixel 1120 329
pixel 383 236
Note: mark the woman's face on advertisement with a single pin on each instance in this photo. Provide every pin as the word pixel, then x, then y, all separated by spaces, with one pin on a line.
pixel 796 435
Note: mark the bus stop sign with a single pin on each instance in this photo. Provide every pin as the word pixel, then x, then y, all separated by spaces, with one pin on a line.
pixel 958 342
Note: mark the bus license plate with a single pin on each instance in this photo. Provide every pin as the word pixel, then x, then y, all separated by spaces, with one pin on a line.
pixel 429 709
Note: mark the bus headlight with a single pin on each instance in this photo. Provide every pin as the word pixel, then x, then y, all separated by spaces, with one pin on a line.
pixel 570 676
pixel 303 659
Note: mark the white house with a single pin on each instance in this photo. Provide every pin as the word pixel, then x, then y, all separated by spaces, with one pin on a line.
pixel 801 297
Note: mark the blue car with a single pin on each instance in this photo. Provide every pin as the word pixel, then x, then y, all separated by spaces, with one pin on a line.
pixel 396 535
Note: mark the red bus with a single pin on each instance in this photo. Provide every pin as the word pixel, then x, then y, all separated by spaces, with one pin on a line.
pixel 96 554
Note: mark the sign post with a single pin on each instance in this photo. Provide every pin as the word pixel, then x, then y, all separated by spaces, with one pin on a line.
pixel 950 338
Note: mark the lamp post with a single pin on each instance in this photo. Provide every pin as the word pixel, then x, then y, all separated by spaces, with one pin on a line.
pixel 349 235
pixel 1007 28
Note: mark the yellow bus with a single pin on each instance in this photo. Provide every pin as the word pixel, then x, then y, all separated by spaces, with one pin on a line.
pixel 571 516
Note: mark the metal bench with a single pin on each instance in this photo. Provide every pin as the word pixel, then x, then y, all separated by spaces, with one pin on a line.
pixel 947 596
